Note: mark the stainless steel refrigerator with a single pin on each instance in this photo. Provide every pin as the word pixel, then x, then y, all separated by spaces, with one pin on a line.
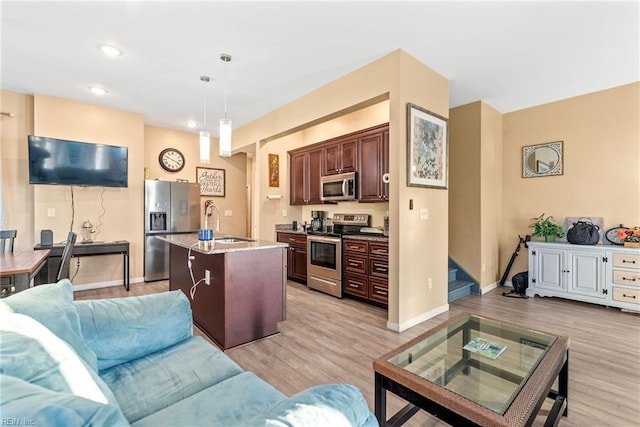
pixel 169 208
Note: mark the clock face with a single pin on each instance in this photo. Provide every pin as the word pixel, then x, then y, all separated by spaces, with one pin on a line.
pixel 171 160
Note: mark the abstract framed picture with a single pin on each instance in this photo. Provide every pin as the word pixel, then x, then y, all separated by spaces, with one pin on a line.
pixel 211 181
pixel 427 148
pixel 274 170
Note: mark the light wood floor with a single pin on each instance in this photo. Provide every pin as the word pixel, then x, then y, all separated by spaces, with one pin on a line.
pixel 329 340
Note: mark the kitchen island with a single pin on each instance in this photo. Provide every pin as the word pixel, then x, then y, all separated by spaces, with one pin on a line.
pixel 244 298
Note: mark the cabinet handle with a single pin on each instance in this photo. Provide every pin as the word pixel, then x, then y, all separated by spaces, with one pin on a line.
pixel 353 264
pixel 631 279
pixel 630 262
pixel 353 286
pixel 566 271
pixel 629 296
pixel 381 292
pixel 381 269
pixel 354 247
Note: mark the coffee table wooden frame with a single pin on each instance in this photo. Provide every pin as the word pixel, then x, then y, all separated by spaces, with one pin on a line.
pixel 457 410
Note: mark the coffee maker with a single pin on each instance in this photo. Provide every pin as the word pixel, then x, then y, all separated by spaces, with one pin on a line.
pixel 317 220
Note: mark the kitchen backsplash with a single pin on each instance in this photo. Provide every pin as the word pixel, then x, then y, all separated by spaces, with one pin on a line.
pixel 376 210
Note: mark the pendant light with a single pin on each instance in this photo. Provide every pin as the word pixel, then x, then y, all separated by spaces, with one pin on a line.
pixel 225 123
pixel 205 138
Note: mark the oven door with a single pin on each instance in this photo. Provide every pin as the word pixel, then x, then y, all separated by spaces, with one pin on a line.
pixel 324 264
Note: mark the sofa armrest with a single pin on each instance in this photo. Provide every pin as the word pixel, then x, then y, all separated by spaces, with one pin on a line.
pixel 335 405
pixel 122 329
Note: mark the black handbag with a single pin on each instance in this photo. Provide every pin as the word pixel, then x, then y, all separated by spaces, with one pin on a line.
pixel 583 233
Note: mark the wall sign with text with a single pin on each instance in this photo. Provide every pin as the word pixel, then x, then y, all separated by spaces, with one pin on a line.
pixel 211 181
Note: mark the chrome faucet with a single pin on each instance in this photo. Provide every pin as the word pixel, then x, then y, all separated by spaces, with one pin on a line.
pixel 207 212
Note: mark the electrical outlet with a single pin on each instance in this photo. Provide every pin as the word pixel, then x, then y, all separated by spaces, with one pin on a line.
pixel 429 283
pixel 228 213
pixel 424 214
pixel 484 267
pixel 284 212
pixel 51 212
pixel 207 277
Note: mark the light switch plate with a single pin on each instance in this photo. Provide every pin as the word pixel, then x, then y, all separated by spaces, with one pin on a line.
pixel 51 212
pixel 228 213
pixel 424 213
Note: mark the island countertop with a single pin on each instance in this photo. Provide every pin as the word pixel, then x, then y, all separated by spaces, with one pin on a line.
pixel 190 241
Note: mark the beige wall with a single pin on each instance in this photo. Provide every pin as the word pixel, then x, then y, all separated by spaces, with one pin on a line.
pixel 17 194
pixel 465 139
pixel 121 218
pixel 491 190
pixel 235 201
pixel 601 135
pixel 418 249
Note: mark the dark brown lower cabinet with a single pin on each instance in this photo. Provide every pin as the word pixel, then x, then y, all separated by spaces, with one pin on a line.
pixel 296 255
pixel 366 270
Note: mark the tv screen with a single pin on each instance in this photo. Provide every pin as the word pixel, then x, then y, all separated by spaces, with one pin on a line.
pixel 58 161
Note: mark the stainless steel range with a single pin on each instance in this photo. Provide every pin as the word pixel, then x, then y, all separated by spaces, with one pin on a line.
pixel 324 252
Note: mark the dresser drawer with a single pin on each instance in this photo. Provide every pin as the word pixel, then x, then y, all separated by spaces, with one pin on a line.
pixel 357 246
pixel 356 285
pixel 622 277
pixel 379 291
pixel 626 260
pixel 379 249
pixel 355 264
pixel 626 295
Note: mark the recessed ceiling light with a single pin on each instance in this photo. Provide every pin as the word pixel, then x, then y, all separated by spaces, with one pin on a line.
pixel 98 90
pixel 109 50
pixel 192 124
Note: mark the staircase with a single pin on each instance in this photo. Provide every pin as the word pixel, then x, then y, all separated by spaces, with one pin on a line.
pixel 460 283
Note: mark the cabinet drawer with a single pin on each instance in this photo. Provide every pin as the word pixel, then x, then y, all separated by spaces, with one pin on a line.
pixel 379 268
pixel 355 264
pixel 379 291
pixel 292 239
pixel 626 295
pixel 356 285
pixel 379 249
pixel 358 246
pixel 626 260
pixel 622 277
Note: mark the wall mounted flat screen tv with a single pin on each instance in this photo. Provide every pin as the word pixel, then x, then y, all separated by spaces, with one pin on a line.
pixel 62 162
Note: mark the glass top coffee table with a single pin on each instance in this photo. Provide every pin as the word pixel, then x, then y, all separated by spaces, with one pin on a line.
pixel 473 370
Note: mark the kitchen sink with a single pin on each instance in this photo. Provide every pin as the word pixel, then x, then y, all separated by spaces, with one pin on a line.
pixel 232 240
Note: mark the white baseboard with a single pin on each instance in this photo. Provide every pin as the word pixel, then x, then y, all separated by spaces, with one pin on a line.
pixel 100 285
pixel 490 288
pixel 418 319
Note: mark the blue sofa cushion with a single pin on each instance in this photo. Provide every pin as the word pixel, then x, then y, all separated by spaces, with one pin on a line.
pixel 158 380
pixel 29 403
pixel 31 352
pixel 335 405
pixel 230 403
pixel 52 305
pixel 122 329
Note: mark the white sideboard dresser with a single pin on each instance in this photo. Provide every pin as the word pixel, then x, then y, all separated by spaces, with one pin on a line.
pixel 599 274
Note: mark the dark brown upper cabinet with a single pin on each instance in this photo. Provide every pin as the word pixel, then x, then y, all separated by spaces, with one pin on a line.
pixel 341 157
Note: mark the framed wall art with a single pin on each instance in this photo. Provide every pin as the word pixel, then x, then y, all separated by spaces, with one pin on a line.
pixel 274 170
pixel 427 148
pixel 211 181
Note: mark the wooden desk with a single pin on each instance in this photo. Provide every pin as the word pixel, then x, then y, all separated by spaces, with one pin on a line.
pixel 86 249
pixel 22 266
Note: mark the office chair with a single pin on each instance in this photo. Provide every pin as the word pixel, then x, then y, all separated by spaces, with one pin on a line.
pixel 63 272
pixel 6 245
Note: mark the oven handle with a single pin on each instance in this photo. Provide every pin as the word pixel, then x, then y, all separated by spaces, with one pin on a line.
pixel 324 239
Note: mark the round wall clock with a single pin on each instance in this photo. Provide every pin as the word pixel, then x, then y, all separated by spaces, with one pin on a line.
pixel 612 235
pixel 171 160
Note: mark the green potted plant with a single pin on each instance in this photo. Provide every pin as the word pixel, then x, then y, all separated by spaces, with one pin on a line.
pixel 546 227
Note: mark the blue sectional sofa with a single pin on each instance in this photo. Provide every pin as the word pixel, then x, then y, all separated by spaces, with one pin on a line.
pixel 135 361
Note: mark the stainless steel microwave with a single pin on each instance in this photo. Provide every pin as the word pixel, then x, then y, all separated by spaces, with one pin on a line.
pixel 338 187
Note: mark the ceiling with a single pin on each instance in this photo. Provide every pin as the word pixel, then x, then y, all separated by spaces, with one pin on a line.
pixel 512 55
